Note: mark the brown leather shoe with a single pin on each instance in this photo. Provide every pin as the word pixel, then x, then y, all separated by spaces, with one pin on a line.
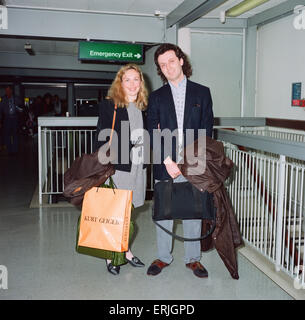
pixel 156 267
pixel 198 269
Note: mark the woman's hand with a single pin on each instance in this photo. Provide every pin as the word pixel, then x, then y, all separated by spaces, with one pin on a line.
pixel 172 168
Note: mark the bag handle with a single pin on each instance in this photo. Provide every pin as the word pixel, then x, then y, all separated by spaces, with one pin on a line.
pixel 113 122
pixel 111 182
pixel 188 239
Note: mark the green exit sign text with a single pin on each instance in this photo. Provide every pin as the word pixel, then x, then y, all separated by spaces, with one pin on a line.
pixel 111 52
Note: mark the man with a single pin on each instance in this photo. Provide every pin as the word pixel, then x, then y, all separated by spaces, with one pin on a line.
pixel 8 110
pixel 179 104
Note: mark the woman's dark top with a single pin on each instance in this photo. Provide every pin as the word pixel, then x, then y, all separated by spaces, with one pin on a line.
pixel 106 110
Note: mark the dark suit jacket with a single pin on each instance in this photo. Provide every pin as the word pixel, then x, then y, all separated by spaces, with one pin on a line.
pixel 198 114
pixel 106 110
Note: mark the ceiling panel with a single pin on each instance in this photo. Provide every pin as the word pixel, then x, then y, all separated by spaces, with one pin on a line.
pixel 125 6
pixel 36 3
pixel 134 6
pixel 112 6
pixel 149 7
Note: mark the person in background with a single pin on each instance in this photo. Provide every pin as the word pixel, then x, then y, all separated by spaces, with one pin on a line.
pixel 38 107
pixel 10 106
pixel 129 93
pixel 57 105
pixel 47 107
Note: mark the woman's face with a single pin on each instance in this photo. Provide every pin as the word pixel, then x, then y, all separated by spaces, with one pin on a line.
pixel 131 83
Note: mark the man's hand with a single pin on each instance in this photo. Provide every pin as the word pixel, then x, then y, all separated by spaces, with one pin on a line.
pixel 172 168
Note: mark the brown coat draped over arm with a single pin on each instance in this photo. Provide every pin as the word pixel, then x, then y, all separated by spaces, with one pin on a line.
pixel 85 173
pixel 226 236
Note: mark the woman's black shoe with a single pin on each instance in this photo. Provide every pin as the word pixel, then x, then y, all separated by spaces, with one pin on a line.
pixel 136 262
pixel 115 270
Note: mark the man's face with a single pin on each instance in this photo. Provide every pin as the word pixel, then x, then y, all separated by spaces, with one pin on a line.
pixel 8 92
pixel 171 66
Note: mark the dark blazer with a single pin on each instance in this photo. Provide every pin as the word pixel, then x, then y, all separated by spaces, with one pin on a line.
pixel 106 110
pixel 198 114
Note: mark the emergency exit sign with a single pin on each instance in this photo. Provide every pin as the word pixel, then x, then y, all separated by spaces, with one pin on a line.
pixel 110 52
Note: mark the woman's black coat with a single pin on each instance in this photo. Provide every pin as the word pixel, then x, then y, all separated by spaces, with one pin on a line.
pixel 106 111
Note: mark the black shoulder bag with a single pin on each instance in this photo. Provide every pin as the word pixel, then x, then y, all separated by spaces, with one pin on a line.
pixel 182 201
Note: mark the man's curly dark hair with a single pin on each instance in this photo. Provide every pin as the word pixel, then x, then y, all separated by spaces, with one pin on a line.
pixel 187 68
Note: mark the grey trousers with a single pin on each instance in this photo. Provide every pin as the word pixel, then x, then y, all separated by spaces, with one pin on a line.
pixel 192 249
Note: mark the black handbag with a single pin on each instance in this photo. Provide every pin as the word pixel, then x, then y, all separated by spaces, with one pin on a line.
pixel 182 201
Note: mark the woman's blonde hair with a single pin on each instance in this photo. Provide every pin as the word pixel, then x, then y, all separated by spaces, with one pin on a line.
pixel 116 91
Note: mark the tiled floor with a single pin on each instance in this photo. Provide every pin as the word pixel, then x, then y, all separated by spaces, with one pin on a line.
pixel 37 247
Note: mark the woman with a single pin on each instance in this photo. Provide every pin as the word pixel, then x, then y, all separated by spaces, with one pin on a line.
pixel 129 94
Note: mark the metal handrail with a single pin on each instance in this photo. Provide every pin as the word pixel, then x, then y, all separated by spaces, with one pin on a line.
pixel 92 121
pixel 291 149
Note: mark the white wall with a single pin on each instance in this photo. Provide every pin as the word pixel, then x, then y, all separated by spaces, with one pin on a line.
pixel 250 72
pixel 281 61
pixel 217 63
pixel 149 69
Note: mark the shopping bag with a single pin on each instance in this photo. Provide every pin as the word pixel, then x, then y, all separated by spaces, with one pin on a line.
pixel 117 258
pixel 105 219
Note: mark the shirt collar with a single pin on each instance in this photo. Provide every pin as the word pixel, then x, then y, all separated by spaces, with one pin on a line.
pixel 181 84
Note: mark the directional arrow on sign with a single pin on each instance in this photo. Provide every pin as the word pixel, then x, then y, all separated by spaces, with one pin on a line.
pixel 138 56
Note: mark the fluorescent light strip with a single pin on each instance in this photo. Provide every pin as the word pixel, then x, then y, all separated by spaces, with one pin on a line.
pixel 244 7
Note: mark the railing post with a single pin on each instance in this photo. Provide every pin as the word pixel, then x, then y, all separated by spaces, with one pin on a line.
pixel 39 165
pixel 279 213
